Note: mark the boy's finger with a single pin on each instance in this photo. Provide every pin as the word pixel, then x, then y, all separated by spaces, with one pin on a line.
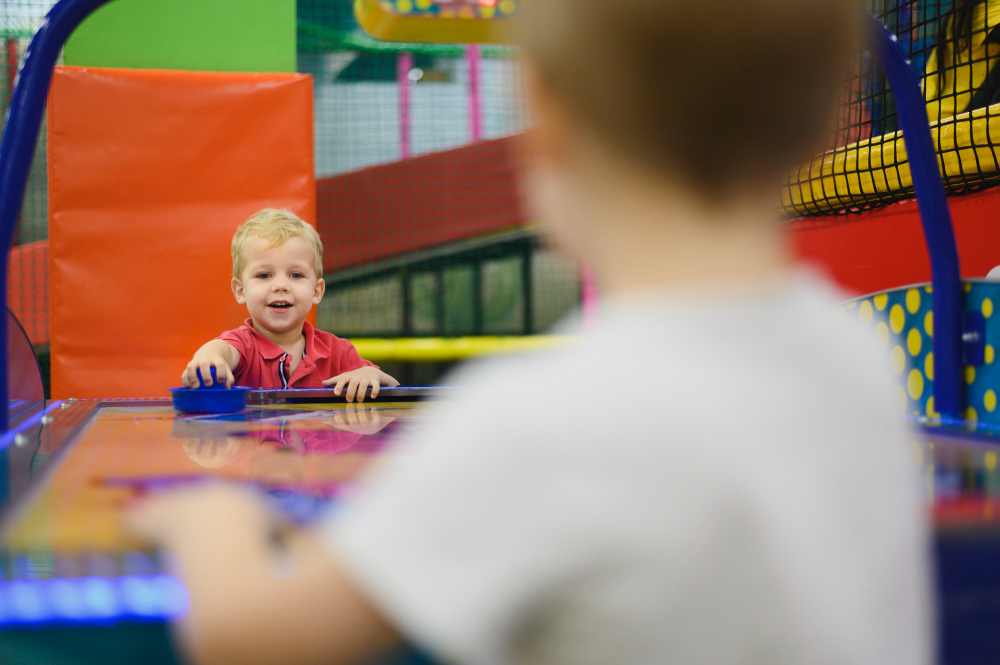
pixel 224 374
pixel 332 380
pixel 340 385
pixel 206 373
pixel 375 388
pixel 362 389
pixel 352 388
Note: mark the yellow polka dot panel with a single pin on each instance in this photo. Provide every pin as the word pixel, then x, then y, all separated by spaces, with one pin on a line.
pixel 902 322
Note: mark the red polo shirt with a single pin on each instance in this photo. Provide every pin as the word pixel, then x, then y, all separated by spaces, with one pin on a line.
pixel 264 364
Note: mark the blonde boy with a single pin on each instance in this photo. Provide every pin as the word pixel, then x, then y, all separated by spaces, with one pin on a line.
pixel 277 274
pixel 714 475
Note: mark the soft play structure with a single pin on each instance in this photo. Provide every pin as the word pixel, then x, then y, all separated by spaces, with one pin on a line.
pixel 139 212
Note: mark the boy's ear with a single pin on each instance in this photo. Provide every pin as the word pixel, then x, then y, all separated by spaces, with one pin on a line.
pixel 552 131
pixel 320 290
pixel 237 286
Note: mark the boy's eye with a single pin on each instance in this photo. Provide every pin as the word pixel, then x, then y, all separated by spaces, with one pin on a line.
pixel 297 275
pixel 263 275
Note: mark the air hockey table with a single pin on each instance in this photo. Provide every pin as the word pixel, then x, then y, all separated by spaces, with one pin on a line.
pixel 75 588
pixel 78 589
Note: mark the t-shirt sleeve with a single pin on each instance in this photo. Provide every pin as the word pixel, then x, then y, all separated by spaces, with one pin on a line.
pixel 456 536
pixel 239 341
pixel 349 358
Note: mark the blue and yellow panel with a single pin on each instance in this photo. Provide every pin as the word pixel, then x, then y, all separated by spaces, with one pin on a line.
pixel 438 21
pixel 902 322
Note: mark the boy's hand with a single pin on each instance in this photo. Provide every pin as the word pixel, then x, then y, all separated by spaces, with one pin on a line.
pixel 357 382
pixel 205 363
pixel 218 354
pixel 181 519
pixel 261 591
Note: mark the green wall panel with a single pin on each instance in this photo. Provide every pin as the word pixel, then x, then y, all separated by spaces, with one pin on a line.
pixel 202 35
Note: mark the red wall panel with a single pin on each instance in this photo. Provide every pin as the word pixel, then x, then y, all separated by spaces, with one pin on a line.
pixel 28 288
pixel 418 203
pixel 885 248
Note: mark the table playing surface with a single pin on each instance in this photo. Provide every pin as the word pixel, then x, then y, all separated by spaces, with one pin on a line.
pixel 69 483
pixel 66 484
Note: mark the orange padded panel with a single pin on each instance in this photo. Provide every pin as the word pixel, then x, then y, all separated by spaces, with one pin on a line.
pixel 150 173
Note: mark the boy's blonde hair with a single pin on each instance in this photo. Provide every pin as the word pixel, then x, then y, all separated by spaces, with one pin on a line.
pixel 726 94
pixel 276 226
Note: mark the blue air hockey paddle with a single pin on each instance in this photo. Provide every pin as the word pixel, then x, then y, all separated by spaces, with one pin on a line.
pixel 215 398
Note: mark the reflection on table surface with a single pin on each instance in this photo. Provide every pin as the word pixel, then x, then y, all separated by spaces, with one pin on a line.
pixel 66 561
pixel 68 567
pixel 303 456
pixel 66 488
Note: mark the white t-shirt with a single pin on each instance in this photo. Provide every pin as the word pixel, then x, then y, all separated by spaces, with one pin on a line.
pixel 718 481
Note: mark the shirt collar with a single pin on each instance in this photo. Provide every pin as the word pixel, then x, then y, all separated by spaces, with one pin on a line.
pixel 315 348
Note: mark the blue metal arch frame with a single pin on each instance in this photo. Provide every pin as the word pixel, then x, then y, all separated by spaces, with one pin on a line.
pixel 24 120
pixel 25 116
pixel 946 277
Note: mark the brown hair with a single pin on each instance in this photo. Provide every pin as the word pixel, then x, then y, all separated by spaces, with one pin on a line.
pixel 727 94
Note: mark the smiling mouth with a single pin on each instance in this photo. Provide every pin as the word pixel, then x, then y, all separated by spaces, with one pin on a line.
pixel 280 306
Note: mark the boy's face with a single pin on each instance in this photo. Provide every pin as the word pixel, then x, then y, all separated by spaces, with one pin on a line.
pixel 279 285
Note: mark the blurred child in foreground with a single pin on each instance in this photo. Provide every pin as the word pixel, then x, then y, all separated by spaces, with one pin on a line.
pixel 714 475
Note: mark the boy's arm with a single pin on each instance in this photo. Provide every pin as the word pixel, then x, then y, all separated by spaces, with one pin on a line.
pixel 258 595
pixel 221 355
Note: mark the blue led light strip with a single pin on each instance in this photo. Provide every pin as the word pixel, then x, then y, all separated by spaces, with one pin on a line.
pixel 7 438
pixel 91 600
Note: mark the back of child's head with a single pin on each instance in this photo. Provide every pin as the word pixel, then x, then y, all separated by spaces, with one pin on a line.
pixel 275 226
pixel 727 95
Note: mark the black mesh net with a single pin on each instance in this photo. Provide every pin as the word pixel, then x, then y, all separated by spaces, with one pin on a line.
pixel 28 294
pixel 415 153
pixel 415 156
pixel 417 149
pixel 955 46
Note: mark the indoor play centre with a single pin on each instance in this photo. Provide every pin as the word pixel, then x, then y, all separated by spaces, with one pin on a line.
pixel 138 130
